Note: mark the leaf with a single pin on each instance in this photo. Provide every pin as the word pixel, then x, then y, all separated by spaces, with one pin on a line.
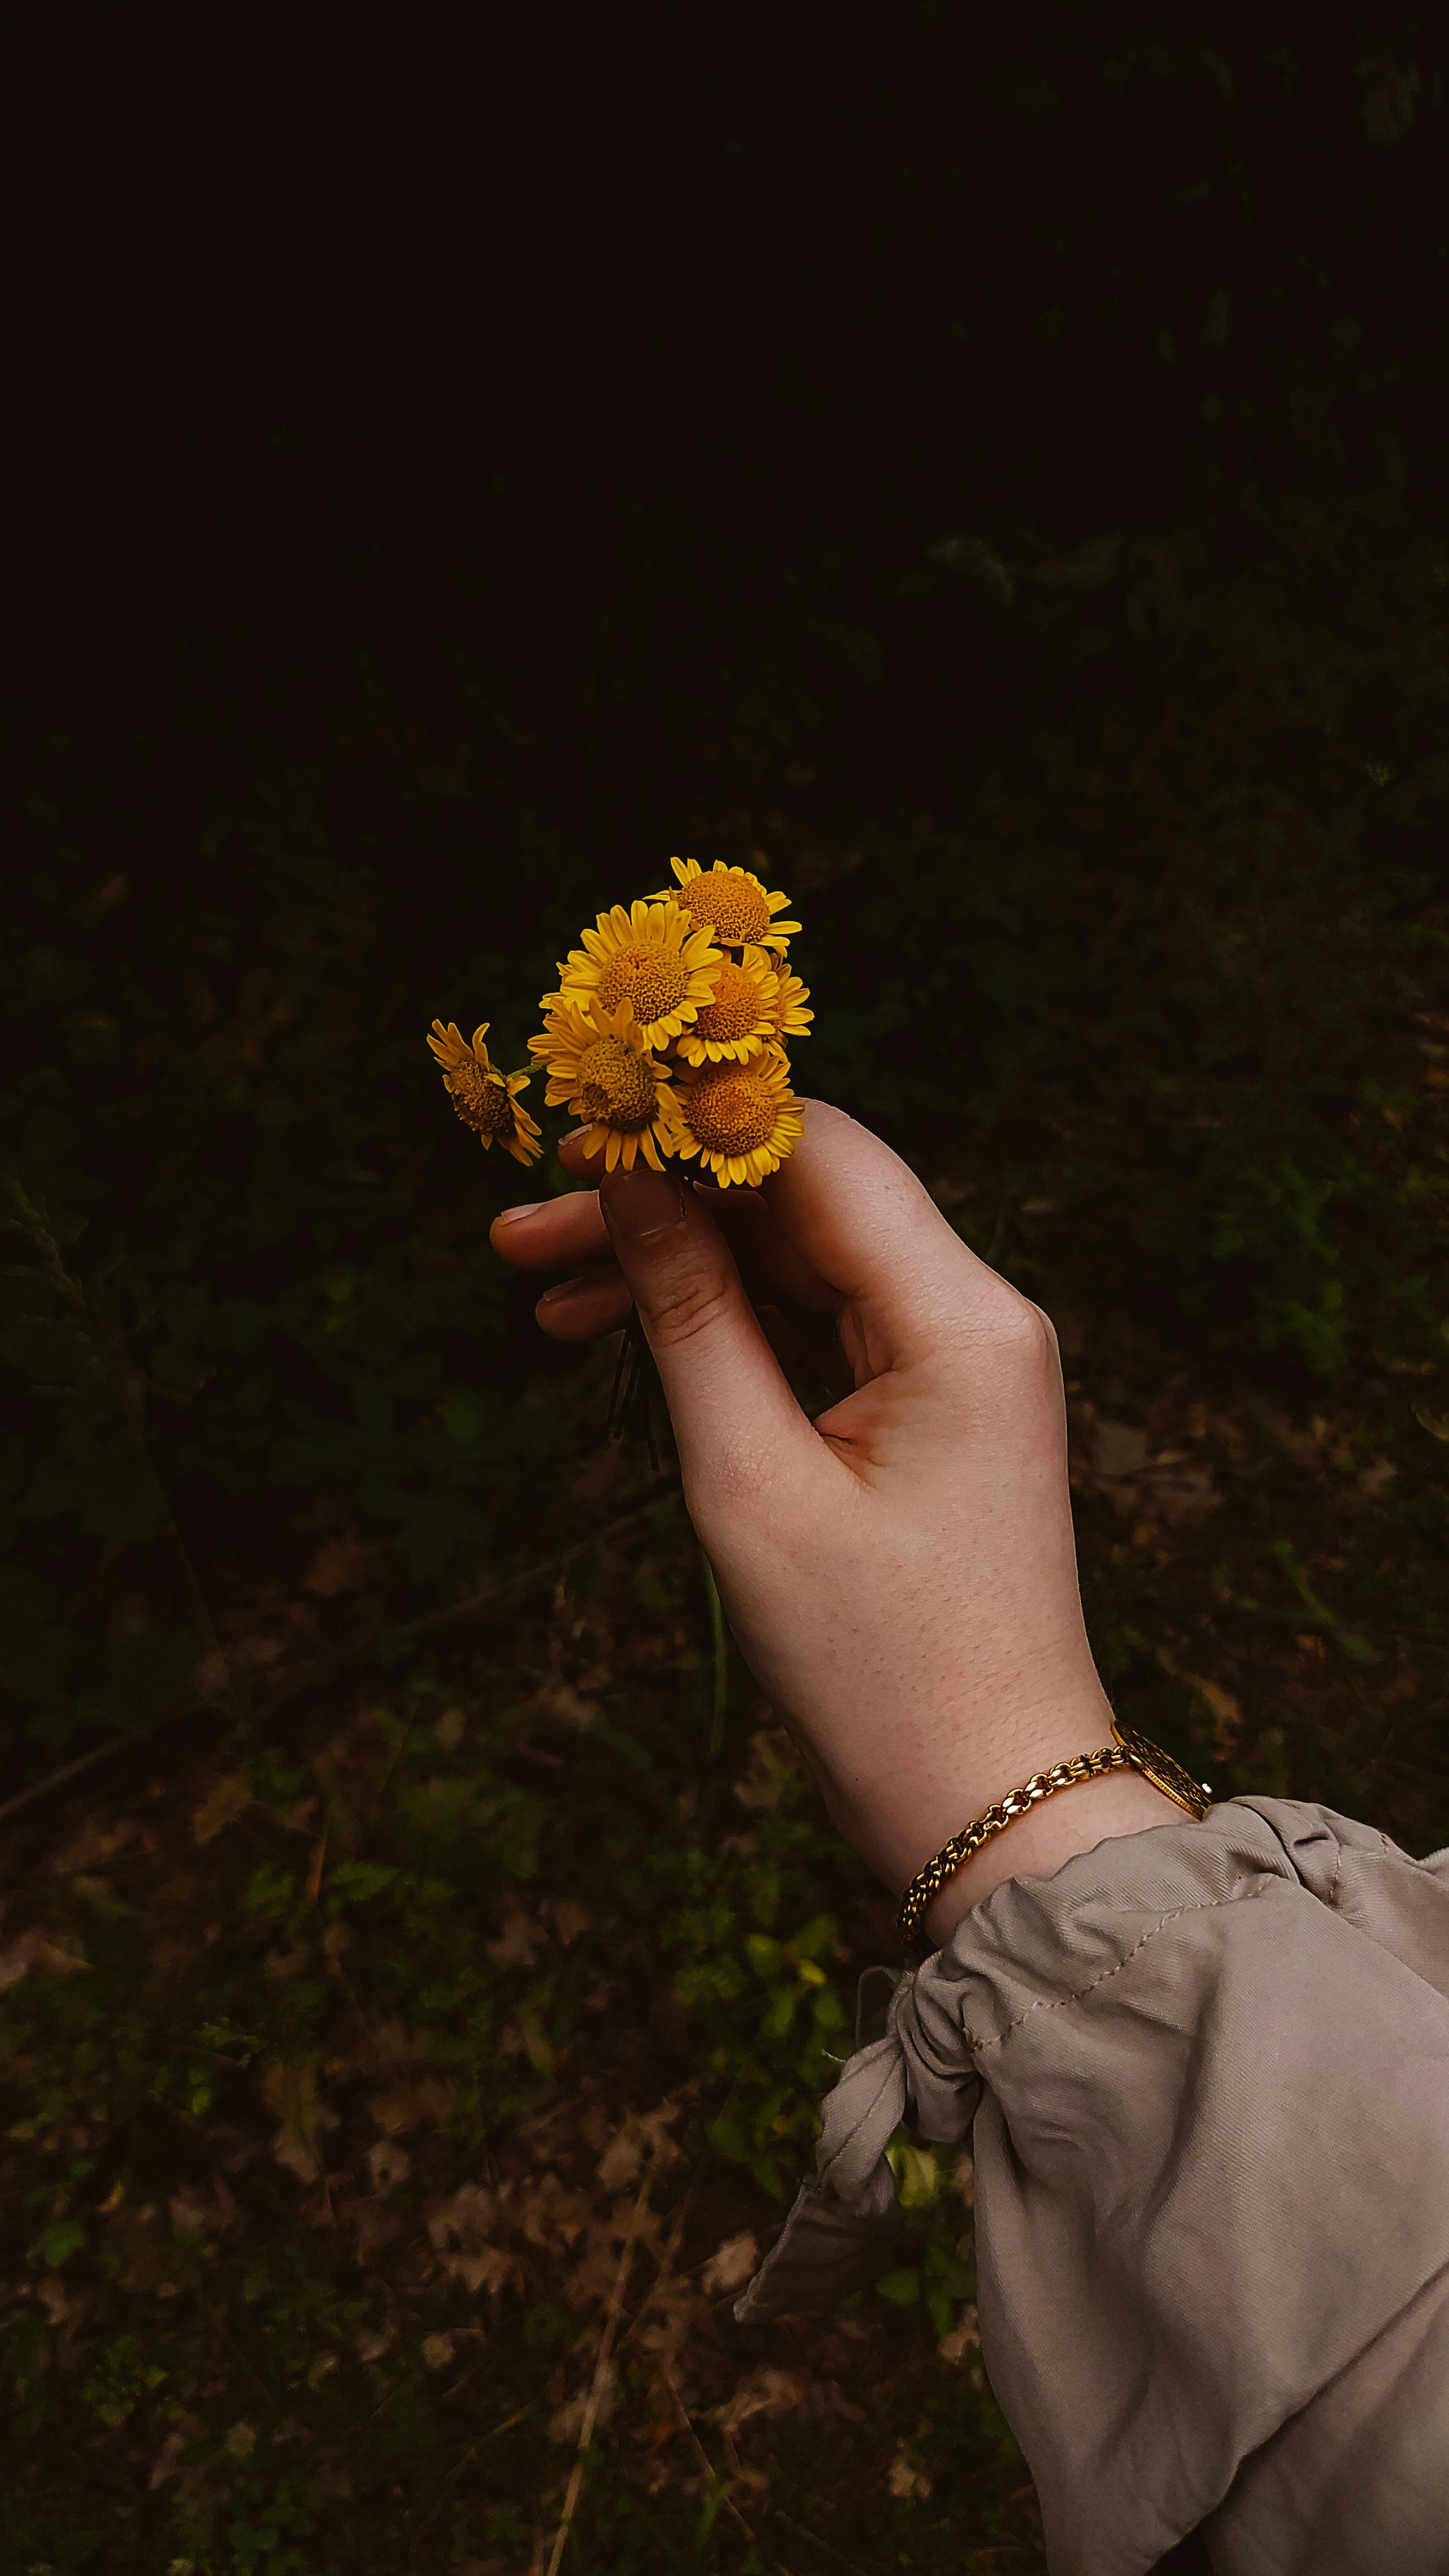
pixel 622 2158
pixel 902 2289
pixel 341 1565
pixel 766 2391
pixel 905 2477
pixel 731 2264
pixel 58 2242
pixel 291 2090
pixel 223 1804
pixel 462 2230
pixel 388 2165
pixel 356 1882
pixel 423 2102
pixel 34 1954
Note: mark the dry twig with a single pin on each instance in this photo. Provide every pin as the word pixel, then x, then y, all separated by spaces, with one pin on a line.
pixel 601 2365
pixel 711 2472
pixel 469 2452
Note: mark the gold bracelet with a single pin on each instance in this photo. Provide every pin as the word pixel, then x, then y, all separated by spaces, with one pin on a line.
pixel 1131 1751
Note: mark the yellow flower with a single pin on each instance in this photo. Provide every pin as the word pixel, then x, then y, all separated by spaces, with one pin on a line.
pixel 651 957
pixel 598 1063
pixel 743 1120
pixel 732 904
pixel 792 1020
pixel 485 1099
pixel 742 1015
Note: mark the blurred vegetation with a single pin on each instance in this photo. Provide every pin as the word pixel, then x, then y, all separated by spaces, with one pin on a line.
pixel 1028 532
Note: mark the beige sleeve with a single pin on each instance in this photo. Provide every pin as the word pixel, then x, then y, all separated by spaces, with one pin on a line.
pixel 1205 2070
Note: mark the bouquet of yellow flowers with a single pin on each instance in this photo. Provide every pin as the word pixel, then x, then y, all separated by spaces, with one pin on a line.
pixel 669 1034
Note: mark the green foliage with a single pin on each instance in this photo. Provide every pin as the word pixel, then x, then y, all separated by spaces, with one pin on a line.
pixel 776 2026
pixel 126 2372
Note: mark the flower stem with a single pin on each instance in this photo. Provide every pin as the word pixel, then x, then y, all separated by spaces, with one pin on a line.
pixel 720 1649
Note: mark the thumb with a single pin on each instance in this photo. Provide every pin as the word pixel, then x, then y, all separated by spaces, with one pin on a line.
pixel 727 1394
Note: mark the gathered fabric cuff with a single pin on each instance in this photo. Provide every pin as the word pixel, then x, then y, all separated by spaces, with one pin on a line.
pixel 1205 2074
pixel 845 2227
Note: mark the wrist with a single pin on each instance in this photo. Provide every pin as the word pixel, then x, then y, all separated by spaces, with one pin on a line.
pixel 912 1787
pixel 1038 1844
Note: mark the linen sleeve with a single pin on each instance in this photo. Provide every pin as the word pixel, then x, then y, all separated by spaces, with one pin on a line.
pixel 1205 2070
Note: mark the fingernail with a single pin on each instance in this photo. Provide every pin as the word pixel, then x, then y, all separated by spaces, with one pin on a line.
pixel 510 1216
pixel 574 1139
pixel 641 1204
pixel 560 1295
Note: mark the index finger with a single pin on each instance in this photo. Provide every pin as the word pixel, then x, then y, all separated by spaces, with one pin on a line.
pixel 571 1229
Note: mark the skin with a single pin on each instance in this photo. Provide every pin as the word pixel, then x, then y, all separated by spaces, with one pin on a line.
pixel 901 1572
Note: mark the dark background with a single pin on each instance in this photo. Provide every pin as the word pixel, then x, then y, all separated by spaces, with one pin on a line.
pixel 993 469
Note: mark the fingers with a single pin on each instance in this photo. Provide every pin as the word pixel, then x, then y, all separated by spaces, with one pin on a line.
pixel 844 1224
pixel 553 1236
pixel 569 1232
pixel 862 1222
pixel 579 1310
pixel 735 1420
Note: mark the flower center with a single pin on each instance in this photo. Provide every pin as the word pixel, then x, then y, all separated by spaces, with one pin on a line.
pixel 616 1085
pixel 735 1008
pixel 731 1113
pixel 655 980
pixel 734 908
pixel 482 1104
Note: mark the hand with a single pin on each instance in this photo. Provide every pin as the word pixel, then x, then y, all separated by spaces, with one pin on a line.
pixel 900 1573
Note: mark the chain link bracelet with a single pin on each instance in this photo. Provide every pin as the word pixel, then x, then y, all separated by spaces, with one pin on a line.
pixel 1130 1751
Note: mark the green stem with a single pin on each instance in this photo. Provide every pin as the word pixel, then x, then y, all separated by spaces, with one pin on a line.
pixel 720 1650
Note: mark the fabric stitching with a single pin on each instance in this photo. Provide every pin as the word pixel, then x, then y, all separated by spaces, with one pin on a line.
pixel 1055 2003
